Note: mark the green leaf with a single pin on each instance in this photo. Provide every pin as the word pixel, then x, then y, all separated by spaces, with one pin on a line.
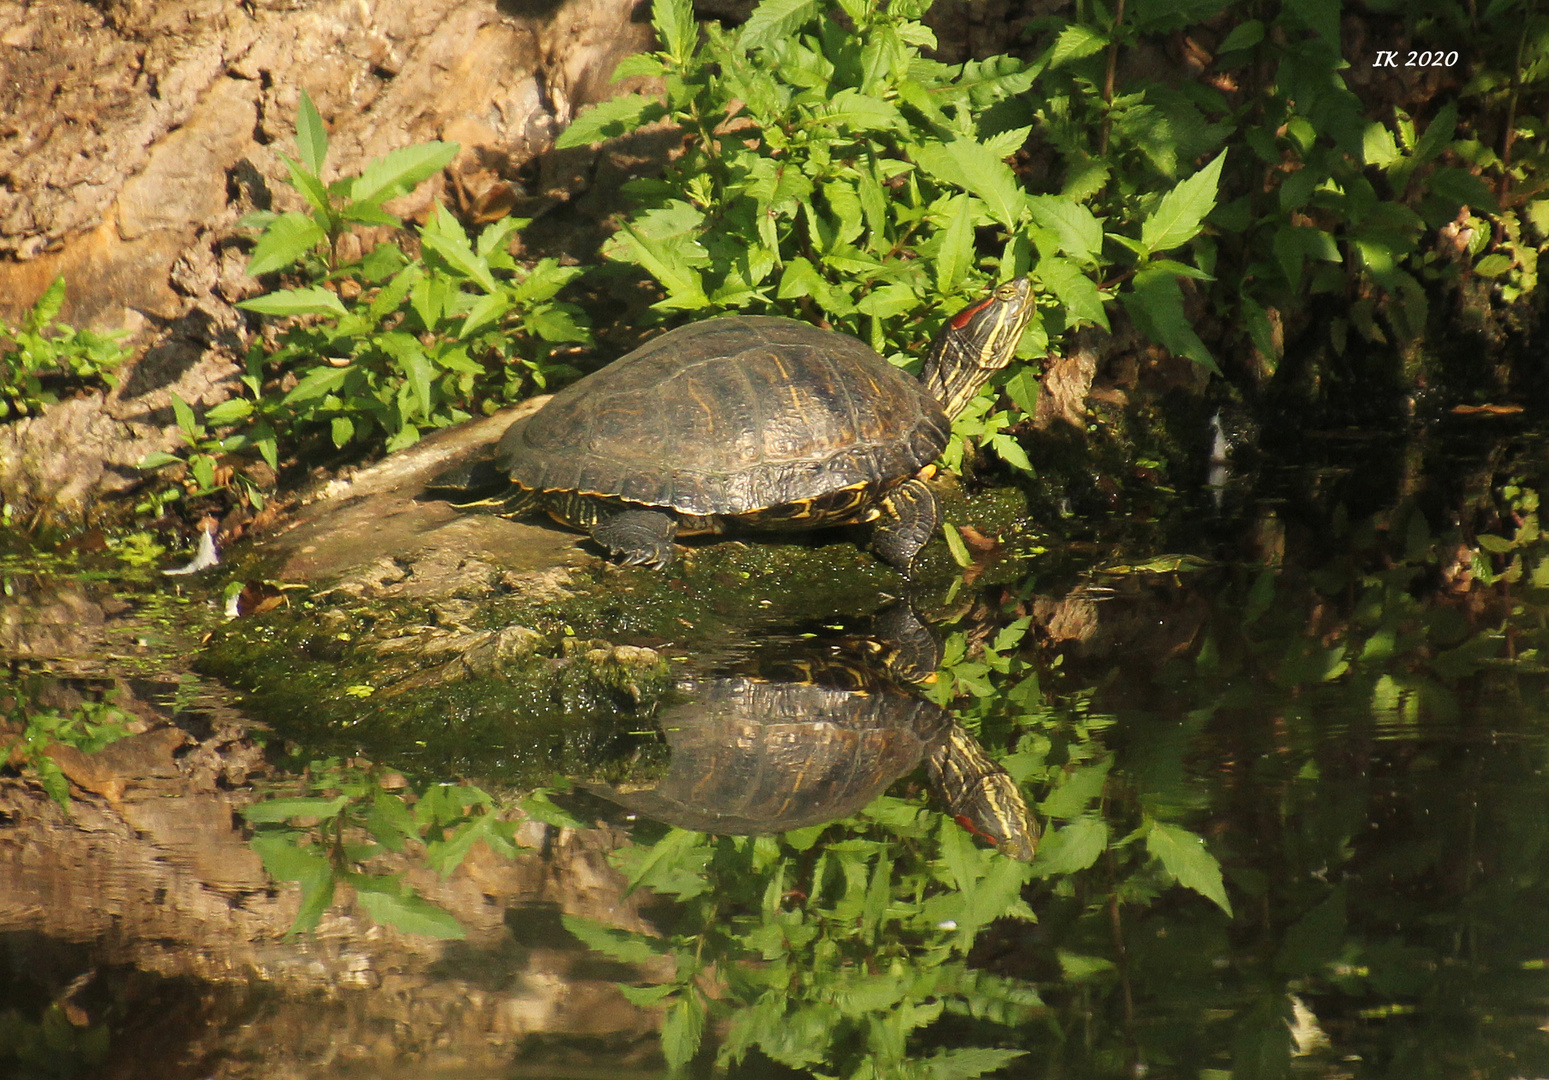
pixel 1082 299
pixel 1494 265
pixel 610 119
pixel 1243 36
pixel 1022 388
pixel 956 247
pixel 1010 451
pixel 665 262
pixel 342 430
pixel 311 136
pixel 400 171
pixel 47 309
pixel 1077 789
pixel 955 544
pixel 316 383
pixel 969 165
pixel 622 945
pixel 1184 856
pixel 1073 848
pixel 774 20
pixel 313 300
pixel 1075 42
pixel 443 235
pixel 852 109
pixel 285 860
pixel 1156 305
pixel 675 25
pixel 683 1028
pixel 287 239
pixel 157 459
pixel 1179 214
pixel 968 1062
pixel 1080 233
pixel 278 810
pixel 1378 147
pixel 229 411
pixel 411 914
pixel 184 415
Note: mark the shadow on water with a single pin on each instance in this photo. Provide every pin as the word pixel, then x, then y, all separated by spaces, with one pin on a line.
pixel 1289 768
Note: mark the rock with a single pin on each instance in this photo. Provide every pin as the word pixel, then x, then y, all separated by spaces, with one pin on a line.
pixel 136 135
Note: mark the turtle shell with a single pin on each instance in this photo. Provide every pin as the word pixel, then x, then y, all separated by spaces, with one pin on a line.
pixel 750 756
pixel 731 416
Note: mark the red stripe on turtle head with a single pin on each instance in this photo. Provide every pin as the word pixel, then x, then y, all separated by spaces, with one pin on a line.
pixel 964 317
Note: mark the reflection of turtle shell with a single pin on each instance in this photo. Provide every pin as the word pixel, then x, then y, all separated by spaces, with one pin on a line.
pixel 751 756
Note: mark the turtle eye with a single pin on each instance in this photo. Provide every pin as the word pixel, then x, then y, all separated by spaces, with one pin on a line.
pixel 1008 291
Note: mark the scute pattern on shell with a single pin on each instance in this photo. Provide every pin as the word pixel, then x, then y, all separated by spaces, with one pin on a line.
pixel 751 757
pixel 730 416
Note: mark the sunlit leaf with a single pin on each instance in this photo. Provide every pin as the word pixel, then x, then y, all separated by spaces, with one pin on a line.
pixel 623 945
pixel 1184 856
pixel 1179 214
pixel 410 914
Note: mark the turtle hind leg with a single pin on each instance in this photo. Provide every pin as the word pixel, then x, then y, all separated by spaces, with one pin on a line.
pixel 638 537
pixel 909 519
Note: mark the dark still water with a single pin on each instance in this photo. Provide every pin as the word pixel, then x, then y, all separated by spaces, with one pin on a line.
pixel 1280 754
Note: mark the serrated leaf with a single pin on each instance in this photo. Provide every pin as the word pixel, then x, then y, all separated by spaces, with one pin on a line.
pixel 1183 855
pixel 287 239
pixel 683 1028
pixel 400 171
pixel 675 25
pixel 1075 847
pixel 966 1063
pixel 1075 43
pixel 1179 214
pixel 276 810
pixel 774 20
pixel 316 383
pixel 1080 233
pixel 1022 388
pixel 610 119
pixel 1156 304
pixel 1378 146
pixel 1010 451
pixel 411 914
pixel 313 300
pixel 623 945
pixel 969 165
pixel 956 247
pixel 311 135
pixel 48 306
pixel 1082 299
pixel 285 860
pixel 443 235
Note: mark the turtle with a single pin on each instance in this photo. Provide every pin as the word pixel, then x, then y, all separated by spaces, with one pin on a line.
pixel 796 738
pixel 749 422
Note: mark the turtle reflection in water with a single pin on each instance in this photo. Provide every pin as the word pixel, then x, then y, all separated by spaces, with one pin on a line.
pixel 803 741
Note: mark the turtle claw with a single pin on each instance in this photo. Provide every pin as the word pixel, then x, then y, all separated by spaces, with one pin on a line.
pixel 638 537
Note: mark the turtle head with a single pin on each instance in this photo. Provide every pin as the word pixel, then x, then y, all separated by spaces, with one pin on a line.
pixel 975 343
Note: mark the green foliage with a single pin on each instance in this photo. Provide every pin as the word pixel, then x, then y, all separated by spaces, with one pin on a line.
pixel 377 350
pixel 28 733
pixel 40 360
pixel 833 173
pixel 352 814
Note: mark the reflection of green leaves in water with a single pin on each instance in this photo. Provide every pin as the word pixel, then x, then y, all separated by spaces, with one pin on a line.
pixel 319 841
pixel 831 958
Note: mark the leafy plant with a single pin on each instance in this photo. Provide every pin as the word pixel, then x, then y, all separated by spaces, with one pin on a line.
pixel 832 172
pixel 379 349
pixel 40 359
pixel 28 733
pixel 352 814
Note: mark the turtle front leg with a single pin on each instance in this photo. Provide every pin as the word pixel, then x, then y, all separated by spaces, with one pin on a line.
pixel 909 519
pixel 638 537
